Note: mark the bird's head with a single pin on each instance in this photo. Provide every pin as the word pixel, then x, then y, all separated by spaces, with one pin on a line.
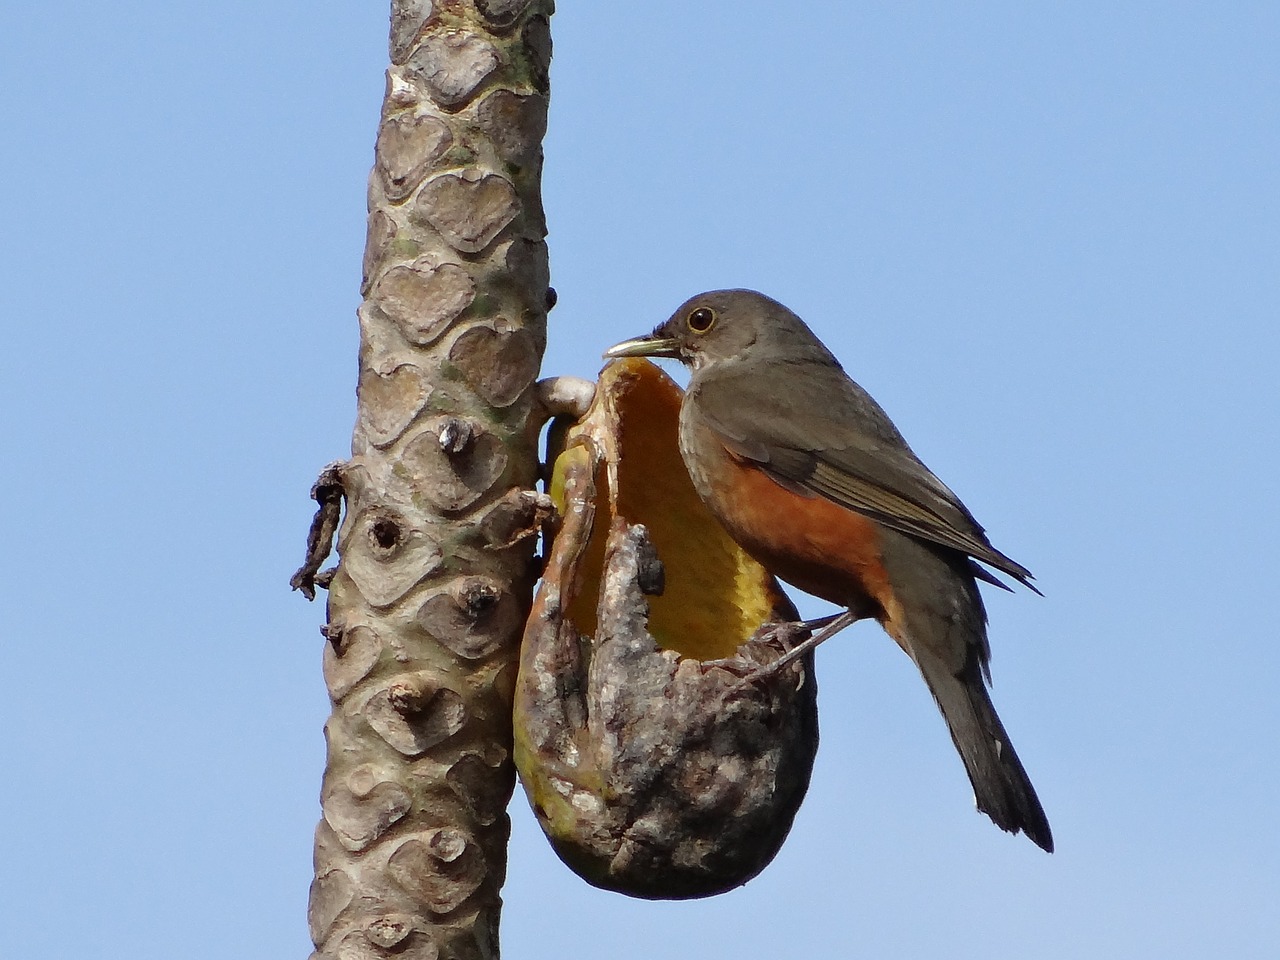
pixel 724 325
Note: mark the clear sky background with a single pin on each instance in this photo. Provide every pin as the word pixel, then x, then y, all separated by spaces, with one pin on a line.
pixel 1046 236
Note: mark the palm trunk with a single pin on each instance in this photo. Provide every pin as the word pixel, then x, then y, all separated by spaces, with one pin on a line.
pixel 433 587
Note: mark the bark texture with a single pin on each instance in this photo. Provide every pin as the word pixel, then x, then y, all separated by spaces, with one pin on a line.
pixel 434 582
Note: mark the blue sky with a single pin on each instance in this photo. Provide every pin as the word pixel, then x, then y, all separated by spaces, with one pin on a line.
pixel 1045 236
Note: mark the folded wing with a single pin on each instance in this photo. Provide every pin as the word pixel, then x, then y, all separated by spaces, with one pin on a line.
pixel 851 454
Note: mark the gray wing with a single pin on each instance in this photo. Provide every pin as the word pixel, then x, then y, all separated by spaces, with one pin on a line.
pixel 843 447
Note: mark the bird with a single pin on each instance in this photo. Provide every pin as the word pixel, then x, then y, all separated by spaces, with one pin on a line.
pixel 810 476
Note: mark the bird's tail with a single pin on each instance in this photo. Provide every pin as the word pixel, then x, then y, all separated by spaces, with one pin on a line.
pixel 1000 784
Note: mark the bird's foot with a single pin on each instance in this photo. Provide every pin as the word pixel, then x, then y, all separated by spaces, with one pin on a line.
pixel 819 622
pixel 827 628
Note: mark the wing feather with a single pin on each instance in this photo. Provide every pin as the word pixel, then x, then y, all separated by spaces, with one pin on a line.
pixel 849 453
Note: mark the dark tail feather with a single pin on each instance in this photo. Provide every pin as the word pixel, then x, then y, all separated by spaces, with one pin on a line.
pixel 1000 784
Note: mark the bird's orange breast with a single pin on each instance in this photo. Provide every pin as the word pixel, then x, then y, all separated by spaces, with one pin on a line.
pixel 810 542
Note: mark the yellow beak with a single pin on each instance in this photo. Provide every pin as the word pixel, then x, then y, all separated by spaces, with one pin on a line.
pixel 649 346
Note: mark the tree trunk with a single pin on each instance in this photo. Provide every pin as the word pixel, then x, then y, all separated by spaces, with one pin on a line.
pixel 434 581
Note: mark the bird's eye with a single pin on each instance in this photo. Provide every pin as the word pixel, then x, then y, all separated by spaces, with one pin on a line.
pixel 702 319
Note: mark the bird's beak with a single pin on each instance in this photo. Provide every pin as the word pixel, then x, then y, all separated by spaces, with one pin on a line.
pixel 650 346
